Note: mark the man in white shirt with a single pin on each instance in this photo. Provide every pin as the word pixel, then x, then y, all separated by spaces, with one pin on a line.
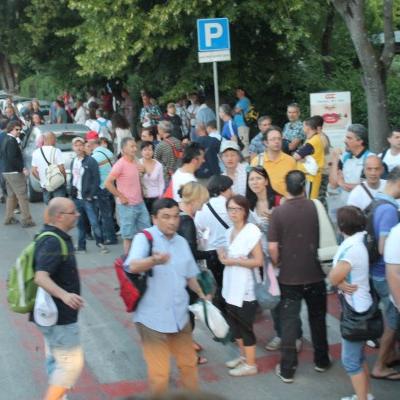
pixel 193 158
pixel 391 156
pixel 80 115
pixel 104 126
pixel 362 195
pixel 41 158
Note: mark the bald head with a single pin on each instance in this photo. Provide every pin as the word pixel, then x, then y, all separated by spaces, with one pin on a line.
pixel 49 139
pixel 58 205
pixel 373 170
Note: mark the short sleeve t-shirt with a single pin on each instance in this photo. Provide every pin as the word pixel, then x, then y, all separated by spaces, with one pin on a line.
pixel 391 161
pixel 127 178
pixel 294 226
pixel 391 253
pixel 53 156
pixel 360 198
pixel 62 270
pixel 179 179
pixel 104 159
pixel 353 251
pixel 244 105
pixel 385 218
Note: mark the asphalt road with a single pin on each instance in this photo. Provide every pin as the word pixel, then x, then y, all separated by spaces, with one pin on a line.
pixel 114 365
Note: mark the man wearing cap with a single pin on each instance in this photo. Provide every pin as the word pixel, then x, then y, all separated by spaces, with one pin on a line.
pixel 104 203
pixel 231 157
pixel 58 275
pixel 85 180
pixel 274 160
pixel 41 159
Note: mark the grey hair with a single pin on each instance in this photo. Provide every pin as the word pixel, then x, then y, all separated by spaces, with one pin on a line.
pixel 394 175
pixel 165 126
pixel 263 118
pixel 360 131
pixel 126 140
pixel 225 109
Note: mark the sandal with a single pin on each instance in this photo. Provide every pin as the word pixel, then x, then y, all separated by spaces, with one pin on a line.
pixel 201 360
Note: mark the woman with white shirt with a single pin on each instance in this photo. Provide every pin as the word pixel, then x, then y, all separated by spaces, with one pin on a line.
pixel 212 221
pixel 350 273
pixel 152 178
pixel 243 256
pixel 120 128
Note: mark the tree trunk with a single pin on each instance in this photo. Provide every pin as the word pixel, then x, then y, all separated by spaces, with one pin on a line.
pixel 374 72
pixel 326 41
pixel 7 76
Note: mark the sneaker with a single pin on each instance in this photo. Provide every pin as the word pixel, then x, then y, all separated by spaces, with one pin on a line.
pixel 243 369
pixel 299 345
pixel 103 249
pixel 29 224
pixel 235 362
pixel 373 343
pixel 11 221
pixel 278 373
pixel 322 369
pixel 110 242
pixel 17 211
pixel 274 344
pixel 354 397
pixel 80 251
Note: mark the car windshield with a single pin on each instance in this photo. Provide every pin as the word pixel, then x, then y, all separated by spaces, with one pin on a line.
pixel 64 140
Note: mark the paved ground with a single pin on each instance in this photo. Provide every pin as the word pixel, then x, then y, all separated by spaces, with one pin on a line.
pixel 114 364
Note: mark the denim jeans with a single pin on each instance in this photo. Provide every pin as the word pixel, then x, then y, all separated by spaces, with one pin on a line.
pixel 314 295
pixel 276 317
pixel 353 356
pixel 105 215
pixel 88 208
pixel 60 192
pixel 133 219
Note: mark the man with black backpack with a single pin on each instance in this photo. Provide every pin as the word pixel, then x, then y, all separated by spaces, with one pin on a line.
pixel 382 215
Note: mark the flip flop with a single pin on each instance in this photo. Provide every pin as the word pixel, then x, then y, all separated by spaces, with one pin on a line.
pixel 388 376
pixel 393 363
pixel 201 360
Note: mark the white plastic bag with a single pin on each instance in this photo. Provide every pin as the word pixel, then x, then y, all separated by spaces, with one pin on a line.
pixel 207 313
pixel 45 312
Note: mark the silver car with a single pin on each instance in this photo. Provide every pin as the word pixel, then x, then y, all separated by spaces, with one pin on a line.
pixel 64 133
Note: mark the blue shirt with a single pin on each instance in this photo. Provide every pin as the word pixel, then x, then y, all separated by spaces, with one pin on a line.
pixel 293 130
pixel 205 115
pixel 100 154
pixel 257 145
pixel 244 105
pixel 164 306
pixel 229 130
pixel 385 218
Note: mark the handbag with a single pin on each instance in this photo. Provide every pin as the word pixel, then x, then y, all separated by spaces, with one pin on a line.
pixel 266 295
pixel 45 312
pixel 207 282
pixel 357 327
pixel 327 237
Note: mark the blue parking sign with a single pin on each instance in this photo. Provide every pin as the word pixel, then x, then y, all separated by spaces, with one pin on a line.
pixel 213 34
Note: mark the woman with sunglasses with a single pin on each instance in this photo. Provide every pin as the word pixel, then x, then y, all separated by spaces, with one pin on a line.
pixel 242 256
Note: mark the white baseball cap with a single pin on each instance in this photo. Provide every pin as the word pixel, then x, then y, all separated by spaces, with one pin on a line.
pixel 229 145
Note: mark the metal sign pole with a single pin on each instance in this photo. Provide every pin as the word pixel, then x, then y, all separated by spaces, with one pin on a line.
pixel 216 95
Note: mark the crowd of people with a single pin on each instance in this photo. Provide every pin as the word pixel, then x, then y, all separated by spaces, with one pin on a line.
pixel 226 202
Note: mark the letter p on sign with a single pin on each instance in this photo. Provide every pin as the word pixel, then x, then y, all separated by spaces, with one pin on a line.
pixel 212 30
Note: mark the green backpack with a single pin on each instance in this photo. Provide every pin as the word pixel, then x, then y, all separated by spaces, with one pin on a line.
pixel 21 286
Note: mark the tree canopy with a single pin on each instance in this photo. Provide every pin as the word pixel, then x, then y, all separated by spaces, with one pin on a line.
pixel 281 51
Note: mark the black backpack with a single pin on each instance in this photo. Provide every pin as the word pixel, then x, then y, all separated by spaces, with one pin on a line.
pixel 372 243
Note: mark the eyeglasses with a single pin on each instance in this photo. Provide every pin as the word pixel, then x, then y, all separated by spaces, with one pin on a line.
pixel 70 213
pixel 234 209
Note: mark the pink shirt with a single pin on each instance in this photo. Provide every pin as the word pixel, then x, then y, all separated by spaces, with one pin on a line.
pixel 128 180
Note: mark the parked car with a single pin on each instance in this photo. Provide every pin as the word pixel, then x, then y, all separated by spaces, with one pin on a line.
pixel 64 133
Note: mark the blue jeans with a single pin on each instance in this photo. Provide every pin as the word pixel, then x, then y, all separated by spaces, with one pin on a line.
pixel 133 219
pixel 60 192
pixel 352 356
pixel 105 215
pixel 88 208
pixel 64 355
